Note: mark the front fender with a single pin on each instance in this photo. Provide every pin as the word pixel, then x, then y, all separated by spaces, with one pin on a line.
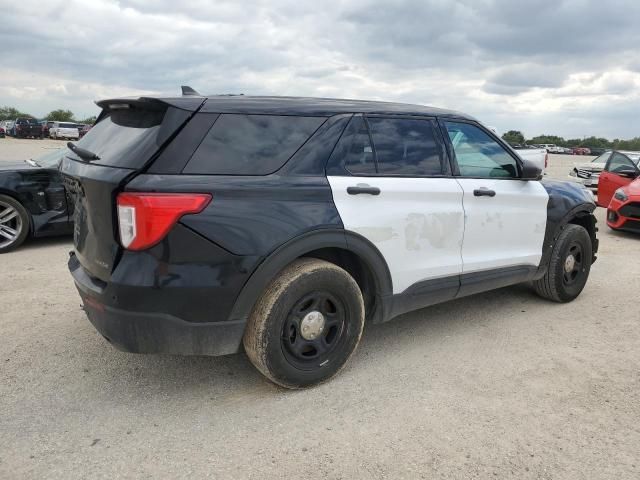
pixel 568 203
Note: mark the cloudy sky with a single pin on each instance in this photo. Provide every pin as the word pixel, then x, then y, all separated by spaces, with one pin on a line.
pixel 567 67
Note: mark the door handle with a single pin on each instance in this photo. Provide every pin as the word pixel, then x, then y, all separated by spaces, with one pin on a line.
pixel 484 192
pixel 366 189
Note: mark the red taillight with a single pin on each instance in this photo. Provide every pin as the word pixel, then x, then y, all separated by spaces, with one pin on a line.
pixel 145 218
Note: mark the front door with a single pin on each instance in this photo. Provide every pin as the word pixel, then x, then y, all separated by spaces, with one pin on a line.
pixel 618 172
pixel 397 192
pixel 505 217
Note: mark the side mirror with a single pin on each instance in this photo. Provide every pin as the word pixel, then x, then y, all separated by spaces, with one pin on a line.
pixel 530 171
pixel 627 172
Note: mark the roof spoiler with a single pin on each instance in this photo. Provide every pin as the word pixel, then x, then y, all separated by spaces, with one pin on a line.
pixel 187 90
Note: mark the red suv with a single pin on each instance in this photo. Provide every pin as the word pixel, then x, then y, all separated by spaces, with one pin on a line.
pixel 619 191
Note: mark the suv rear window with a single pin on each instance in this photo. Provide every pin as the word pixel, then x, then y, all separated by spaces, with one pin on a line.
pixel 124 138
pixel 67 125
pixel 251 144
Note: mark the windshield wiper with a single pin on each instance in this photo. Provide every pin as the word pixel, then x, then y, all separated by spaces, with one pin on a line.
pixel 82 152
pixel 32 162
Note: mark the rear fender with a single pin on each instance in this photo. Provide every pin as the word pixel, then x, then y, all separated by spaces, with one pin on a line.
pixel 304 244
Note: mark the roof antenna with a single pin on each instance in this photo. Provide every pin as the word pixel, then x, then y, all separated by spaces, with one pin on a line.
pixel 186 90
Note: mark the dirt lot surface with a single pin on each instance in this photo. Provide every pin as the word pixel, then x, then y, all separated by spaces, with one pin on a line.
pixel 498 385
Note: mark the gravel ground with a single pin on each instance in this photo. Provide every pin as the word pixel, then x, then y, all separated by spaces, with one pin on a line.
pixel 497 385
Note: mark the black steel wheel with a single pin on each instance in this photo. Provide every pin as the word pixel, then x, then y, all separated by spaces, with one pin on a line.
pixel 313 329
pixel 306 325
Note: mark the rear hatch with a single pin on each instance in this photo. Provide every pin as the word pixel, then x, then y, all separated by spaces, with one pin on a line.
pixel 126 138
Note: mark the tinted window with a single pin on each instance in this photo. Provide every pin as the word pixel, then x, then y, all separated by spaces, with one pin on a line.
pixel 123 138
pixel 406 147
pixel 619 162
pixel 67 125
pixel 602 158
pixel 355 148
pixel 479 155
pixel 251 144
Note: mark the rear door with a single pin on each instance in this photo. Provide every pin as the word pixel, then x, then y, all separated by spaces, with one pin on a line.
pixel 125 138
pixel 505 217
pixel 391 184
pixel 619 171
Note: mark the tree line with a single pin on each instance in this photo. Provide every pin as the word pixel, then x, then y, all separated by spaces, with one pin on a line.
pixel 60 115
pixel 516 137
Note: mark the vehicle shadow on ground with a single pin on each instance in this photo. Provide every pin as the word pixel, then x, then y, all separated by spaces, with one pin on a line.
pixel 170 375
pixel 43 242
pixel 622 234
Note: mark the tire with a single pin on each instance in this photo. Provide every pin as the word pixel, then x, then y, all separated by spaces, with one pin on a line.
pixel 565 278
pixel 14 223
pixel 287 341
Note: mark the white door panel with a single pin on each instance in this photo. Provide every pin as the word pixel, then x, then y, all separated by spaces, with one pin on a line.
pixel 506 229
pixel 416 223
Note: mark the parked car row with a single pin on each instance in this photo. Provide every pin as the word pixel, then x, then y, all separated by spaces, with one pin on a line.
pixel 588 173
pixel 32 128
pixel 552 148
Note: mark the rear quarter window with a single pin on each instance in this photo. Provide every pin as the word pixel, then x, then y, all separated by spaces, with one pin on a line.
pixel 251 144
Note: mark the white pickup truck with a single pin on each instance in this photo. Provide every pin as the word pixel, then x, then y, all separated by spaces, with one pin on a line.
pixel 539 156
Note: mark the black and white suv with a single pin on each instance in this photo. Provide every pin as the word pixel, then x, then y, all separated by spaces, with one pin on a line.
pixel 203 224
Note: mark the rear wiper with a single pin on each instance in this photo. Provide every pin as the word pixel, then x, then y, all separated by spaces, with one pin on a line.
pixel 82 153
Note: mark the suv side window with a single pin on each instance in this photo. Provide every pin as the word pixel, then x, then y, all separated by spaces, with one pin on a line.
pixel 478 155
pixel 251 144
pixel 619 162
pixel 406 147
pixel 355 148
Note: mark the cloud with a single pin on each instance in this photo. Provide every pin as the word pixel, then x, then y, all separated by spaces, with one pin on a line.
pixel 563 66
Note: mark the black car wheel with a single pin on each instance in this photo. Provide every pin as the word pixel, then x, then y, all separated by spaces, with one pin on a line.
pixel 306 325
pixel 569 266
pixel 14 224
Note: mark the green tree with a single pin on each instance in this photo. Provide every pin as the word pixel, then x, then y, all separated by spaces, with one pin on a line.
pixel 60 116
pixel 548 139
pixel 10 113
pixel 89 120
pixel 513 137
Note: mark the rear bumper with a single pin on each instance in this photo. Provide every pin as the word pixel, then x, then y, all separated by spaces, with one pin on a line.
pixel 148 306
pixel 159 333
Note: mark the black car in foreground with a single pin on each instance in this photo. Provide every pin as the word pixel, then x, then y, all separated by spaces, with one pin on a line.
pixel 205 224
pixel 32 200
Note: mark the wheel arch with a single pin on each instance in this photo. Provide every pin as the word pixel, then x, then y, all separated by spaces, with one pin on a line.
pixel 346 249
pixel 582 215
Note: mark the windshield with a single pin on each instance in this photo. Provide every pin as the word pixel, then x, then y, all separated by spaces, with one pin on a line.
pixel 602 158
pixel 50 159
pixel 67 125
